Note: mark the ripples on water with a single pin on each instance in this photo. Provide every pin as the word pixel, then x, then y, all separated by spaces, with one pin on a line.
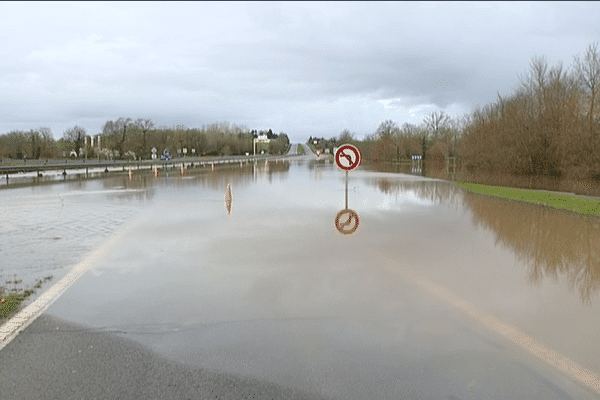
pixel 48 227
pixel 46 230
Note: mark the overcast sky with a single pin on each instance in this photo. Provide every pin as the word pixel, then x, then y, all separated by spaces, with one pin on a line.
pixel 301 68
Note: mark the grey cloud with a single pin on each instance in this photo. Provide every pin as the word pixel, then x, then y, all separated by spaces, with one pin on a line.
pixel 303 68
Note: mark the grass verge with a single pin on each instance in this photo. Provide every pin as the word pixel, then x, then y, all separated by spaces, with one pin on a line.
pixel 569 202
pixel 10 300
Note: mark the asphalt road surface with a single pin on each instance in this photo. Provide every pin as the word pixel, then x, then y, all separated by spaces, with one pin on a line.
pixel 53 359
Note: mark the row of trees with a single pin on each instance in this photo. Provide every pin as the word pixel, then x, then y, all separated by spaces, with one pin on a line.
pixel 549 127
pixel 127 138
pixel 35 143
pixel 437 136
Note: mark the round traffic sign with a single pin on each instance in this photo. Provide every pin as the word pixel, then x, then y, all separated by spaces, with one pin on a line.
pixel 347 157
pixel 347 222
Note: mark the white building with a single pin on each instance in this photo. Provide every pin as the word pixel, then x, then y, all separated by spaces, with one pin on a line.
pixel 262 138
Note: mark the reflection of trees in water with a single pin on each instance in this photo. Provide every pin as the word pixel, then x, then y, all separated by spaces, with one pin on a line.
pixel 232 173
pixel 440 170
pixel 201 176
pixel 432 168
pixel 139 180
pixel 313 164
pixel 430 190
pixel 550 242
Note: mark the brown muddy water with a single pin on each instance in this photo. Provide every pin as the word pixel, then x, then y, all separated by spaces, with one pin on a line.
pixel 242 290
pixel 439 169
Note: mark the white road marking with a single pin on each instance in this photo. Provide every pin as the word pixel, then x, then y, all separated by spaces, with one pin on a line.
pixel 521 339
pixel 10 329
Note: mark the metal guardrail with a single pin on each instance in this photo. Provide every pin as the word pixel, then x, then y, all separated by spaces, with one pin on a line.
pixel 87 164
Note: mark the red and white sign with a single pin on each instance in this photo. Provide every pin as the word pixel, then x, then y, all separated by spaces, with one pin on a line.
pixel 347 157
pixel 347 221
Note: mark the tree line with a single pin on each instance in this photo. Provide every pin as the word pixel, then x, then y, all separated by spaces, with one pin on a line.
pixel 438 135
pixel 125 138
pixel 548 126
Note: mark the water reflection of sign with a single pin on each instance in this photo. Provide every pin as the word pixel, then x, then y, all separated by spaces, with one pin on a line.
pixel 347 157
pixel 347 222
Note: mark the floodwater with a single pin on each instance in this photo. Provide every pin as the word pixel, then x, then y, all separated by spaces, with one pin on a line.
pixel 269 288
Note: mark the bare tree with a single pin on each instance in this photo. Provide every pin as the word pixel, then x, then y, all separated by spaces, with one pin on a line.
pixel 436 122
pixel 144 125
pixel 387 129
pixel 74 133
pixel 345 137
pixel 35 140
pixel 76 136
pixel 121 125
pixel 46 134
pixel 534 84
pixel 409 130
pixel 48 149
pixel 587 74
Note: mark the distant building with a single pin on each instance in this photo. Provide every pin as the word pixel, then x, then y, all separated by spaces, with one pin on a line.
pixel 262 138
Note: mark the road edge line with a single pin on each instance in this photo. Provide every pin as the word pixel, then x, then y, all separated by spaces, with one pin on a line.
pixel 11 328
pixel 567 366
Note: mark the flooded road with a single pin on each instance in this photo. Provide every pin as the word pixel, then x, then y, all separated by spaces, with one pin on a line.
pixel 269 289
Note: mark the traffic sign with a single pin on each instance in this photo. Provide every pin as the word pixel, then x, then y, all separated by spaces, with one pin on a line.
pixel 167 154
pixel 347 157
pixel 347 222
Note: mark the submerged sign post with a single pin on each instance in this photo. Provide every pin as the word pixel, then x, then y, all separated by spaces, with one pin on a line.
pixel 347 158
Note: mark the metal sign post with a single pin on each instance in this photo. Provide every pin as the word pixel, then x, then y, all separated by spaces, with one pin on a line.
pixel 346 189
pixel 347 158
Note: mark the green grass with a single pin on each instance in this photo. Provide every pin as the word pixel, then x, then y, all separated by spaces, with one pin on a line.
pixel 10 300
pixel 569 202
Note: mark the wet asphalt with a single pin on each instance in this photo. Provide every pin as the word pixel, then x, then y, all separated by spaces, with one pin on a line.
pixel 53 359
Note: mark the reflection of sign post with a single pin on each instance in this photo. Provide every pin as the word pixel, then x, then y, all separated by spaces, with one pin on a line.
pixel 347 157
pixel 347 222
